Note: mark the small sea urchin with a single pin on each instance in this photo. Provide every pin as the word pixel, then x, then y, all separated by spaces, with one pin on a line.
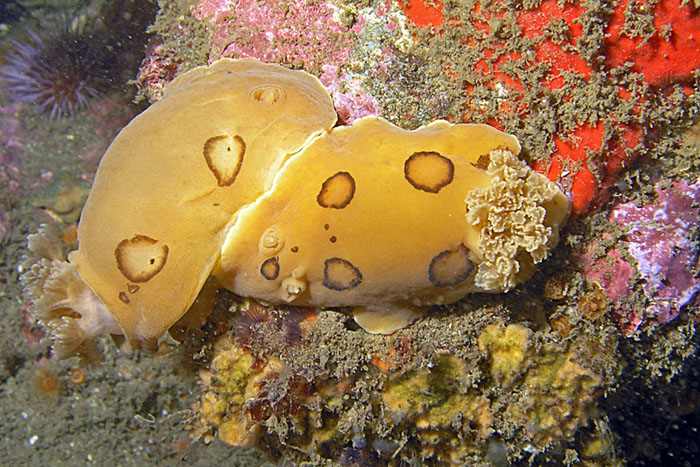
pixel 58 71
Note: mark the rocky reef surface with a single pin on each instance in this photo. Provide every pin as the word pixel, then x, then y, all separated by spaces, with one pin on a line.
pixel 594 361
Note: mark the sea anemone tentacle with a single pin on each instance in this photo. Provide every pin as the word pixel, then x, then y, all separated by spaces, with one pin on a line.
pixel 61 301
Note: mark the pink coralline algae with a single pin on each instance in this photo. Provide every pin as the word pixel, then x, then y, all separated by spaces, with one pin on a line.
pixel 298 33
pixel 612 273
pixel 157 70
pixel 615 276
pixel 12 137
pixel 660 239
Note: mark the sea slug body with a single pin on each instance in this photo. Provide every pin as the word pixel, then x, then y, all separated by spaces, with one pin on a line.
pixel 238 172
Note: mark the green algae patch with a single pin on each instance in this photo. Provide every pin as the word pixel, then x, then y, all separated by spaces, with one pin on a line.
pixel 561 392
pixel 436 398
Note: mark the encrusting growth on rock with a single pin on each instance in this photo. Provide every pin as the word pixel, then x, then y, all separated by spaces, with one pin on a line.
pixel 393 399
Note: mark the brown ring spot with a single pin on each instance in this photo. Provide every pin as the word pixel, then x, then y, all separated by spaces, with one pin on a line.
pixel 333 239
pixel 139 258
pixel 270 268
pixel 340 274
pixel 124 298
pixel 224 157
pixel 428 171
pixel 450 267
pixel 132 288
pixel 337 191
pixel 294 249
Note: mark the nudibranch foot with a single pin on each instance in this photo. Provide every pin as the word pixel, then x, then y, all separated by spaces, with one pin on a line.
pixel 62 302
pixel 386 319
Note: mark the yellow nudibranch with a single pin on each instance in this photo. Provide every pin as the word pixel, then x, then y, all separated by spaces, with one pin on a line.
pixel 239 173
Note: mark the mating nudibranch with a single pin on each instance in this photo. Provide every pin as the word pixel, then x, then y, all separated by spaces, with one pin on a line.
pixel 238 172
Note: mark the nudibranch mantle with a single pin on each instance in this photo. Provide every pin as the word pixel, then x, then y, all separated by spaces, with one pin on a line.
pixel 238 172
